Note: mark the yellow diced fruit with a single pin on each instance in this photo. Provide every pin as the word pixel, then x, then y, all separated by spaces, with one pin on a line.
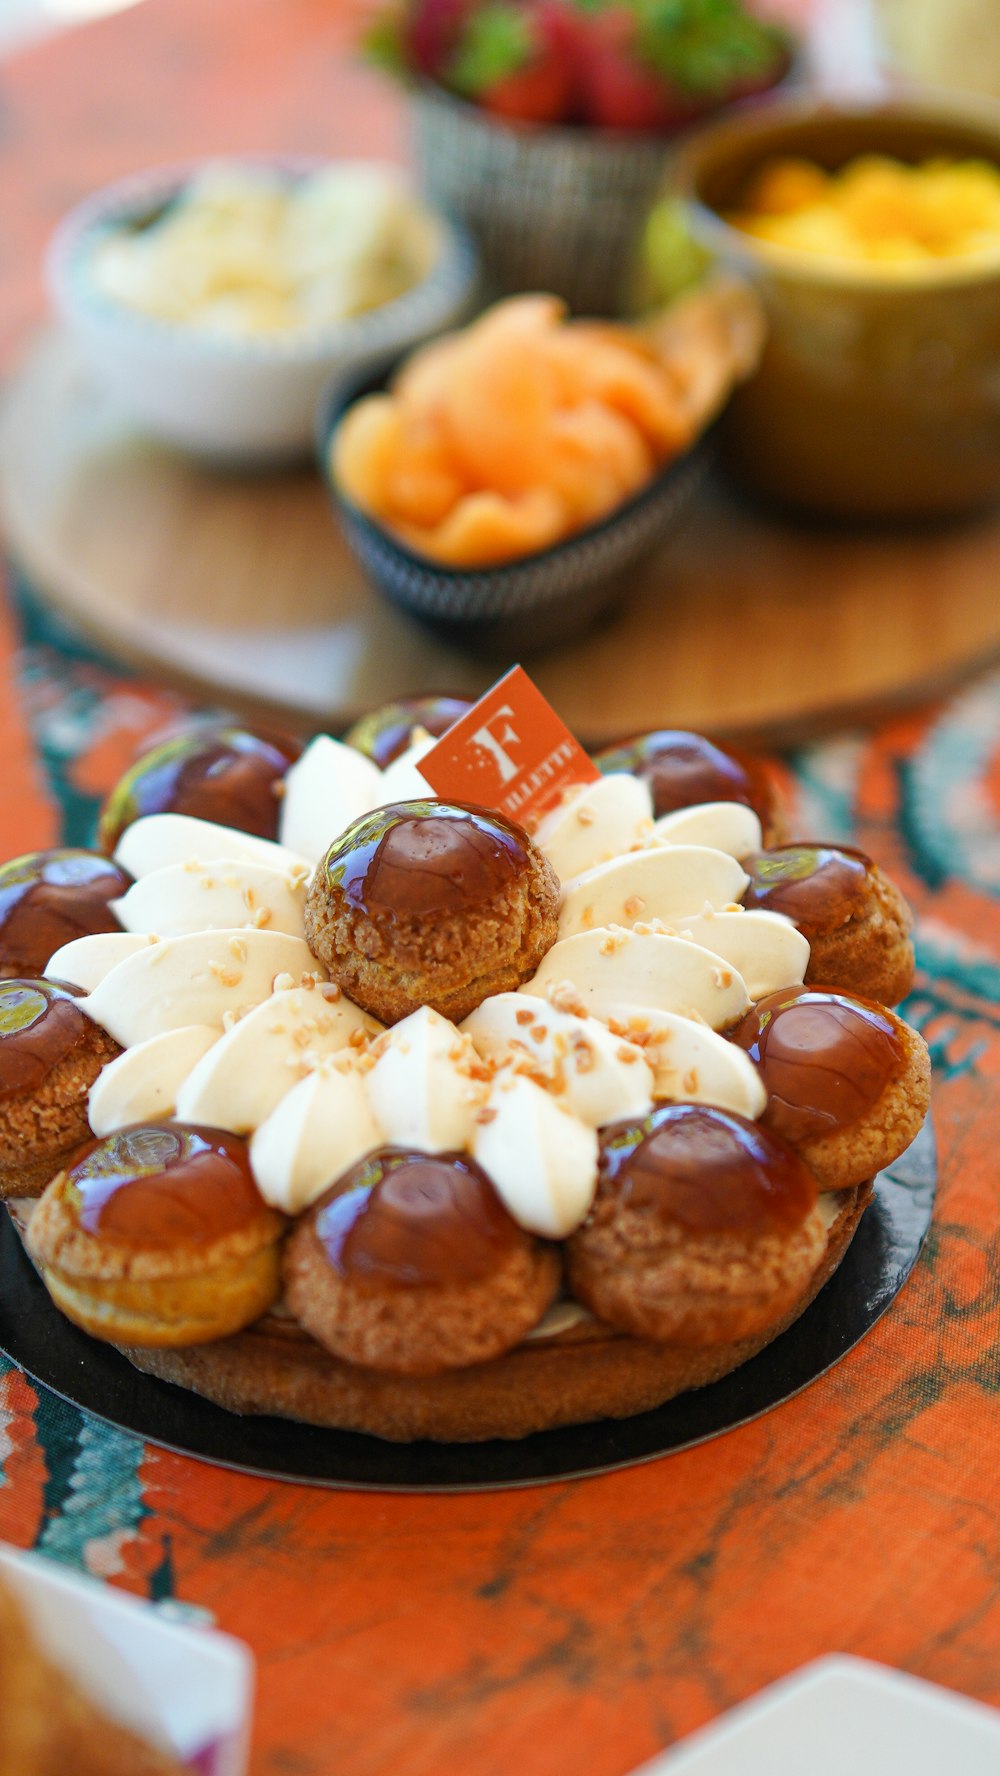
pixel 785 185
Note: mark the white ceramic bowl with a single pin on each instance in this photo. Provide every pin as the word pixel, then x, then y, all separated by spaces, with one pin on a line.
pixel 226 397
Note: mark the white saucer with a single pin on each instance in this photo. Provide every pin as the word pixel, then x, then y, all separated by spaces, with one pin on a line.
pixel 843 1717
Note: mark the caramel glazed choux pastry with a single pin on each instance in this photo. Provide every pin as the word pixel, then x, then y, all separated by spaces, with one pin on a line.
pixel 158 1235
pixel 50 1055
pixel 431 903
pixel 410 1123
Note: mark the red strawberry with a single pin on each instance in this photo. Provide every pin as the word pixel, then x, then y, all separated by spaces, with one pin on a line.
pixel 518 60
pixel 619 91
pixel 434 30
pixel 544 91
pixel 539 93
pixel 661 64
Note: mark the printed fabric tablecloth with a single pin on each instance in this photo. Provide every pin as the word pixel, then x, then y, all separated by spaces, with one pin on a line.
pixel 588 1623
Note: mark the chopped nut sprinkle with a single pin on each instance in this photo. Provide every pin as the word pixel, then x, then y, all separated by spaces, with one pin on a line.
pixel 226 977
pixel 634 905
pixel 524 1017
pixel 564 996
pixel 486 1115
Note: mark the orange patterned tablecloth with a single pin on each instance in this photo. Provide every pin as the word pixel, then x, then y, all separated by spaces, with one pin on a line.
pixel 586 1624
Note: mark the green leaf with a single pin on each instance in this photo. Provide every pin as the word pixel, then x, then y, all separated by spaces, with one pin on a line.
pixel 705 47
pixel 498 40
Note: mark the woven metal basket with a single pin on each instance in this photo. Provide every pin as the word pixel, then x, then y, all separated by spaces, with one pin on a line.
pixel 550 208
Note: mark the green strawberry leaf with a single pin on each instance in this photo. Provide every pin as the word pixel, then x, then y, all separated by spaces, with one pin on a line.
pixel 705 47
pixel 498 40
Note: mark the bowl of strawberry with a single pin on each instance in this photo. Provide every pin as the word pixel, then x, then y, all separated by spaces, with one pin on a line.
pixel 546 126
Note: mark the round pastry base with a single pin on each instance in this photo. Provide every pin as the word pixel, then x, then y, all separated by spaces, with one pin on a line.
pixel 99 1379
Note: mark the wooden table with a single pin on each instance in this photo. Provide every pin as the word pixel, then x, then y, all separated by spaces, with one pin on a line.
pixel 242 589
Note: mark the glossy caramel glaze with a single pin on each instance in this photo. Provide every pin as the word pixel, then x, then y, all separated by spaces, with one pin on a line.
pixel 683 769
pixel 825 1058
pixel 820 887
pixel 162 1184
pixel 418 858
pixel 385 733
pixel 403 1219
pixel 40 1024
pixel 707 1171
pixel 48 898
pixel 224 774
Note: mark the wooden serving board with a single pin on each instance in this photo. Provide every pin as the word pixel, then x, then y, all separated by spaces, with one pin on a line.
pixel 240 588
